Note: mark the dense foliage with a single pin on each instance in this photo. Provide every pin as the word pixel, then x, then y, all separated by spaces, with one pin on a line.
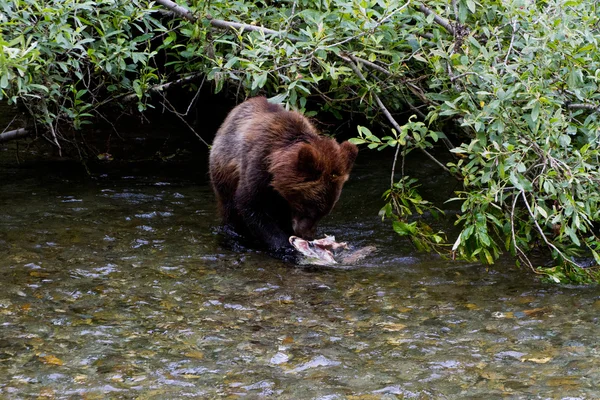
pixel 515 82
pixel 63 60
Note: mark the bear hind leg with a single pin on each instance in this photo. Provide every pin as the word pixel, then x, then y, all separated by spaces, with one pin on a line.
pixel 225 180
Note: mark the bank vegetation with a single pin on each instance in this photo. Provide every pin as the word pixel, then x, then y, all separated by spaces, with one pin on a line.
pixel 508 88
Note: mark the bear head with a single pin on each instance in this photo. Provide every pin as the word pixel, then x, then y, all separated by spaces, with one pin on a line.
pixel 310 175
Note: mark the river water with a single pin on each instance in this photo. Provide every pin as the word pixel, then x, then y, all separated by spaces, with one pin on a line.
pixel 119 285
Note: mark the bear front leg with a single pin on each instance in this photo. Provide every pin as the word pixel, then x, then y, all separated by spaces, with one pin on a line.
pixel 265 229
pixel 261 224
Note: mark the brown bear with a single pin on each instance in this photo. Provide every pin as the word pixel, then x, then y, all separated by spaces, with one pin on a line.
pixel 274 175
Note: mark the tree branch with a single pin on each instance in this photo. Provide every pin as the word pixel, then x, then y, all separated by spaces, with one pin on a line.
pixel 520 253
pixel 14 134
pixel 371 30
pixel 219 23
pixel 163 86
pixel 439 20
pixel 177 9
pixel 369 64
pixel 583 106
pixel 168 104
pixel 512 41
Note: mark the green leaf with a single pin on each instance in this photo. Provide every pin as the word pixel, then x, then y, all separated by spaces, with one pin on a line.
pixel 471 5
pixel 535 111
pixel 259 80
pixel 357 141
pixel 364 130
pixel 232 61
pixel 278 99
pixel 404 229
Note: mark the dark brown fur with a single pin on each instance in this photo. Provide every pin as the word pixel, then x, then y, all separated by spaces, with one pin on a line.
pixel 273 174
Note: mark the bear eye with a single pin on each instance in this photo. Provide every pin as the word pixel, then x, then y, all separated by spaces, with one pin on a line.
pixel 334 176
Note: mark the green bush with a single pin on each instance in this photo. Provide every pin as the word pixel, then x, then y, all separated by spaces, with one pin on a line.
pixel 510 88
pixel 63 60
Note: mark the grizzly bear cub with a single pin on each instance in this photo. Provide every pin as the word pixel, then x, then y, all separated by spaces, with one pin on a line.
pixel 274 175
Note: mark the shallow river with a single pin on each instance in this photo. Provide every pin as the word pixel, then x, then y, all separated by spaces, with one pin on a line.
pixel 120 286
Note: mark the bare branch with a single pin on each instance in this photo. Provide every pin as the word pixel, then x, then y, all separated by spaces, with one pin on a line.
pixel 584 106
pixel 512 41
pixel 455 8
pixel 439 20
pixel 166 103
pixel 55 139
pixel 163 86
pixel 369 64
pixel 521 254
pixel 14 134
pixel 177 9
pixel 394 166
pixel 384 71
pixel 218 23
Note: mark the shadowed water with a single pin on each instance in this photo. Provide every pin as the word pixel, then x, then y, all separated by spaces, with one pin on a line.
pixel 121 287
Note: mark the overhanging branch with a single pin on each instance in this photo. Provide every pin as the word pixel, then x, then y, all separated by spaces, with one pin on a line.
pixel 177 9
pixel 219 23
pixel 439 20
pixel 14 134
pixel 584 106
pixel 164 86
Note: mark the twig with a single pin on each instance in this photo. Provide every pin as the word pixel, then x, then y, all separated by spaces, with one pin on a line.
pixel 52 130
pixel 512 40
pixel 455 77
pixel 110 123
pixel 370 64
pixel 455 8
pixel 219 23
pixel 196 95
pixel 55 139
pixel 174 111
pixel 163 86
pixel 394 165
pixel 521 253
pixel 376 67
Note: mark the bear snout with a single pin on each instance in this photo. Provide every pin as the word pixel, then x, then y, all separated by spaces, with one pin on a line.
pixel 304 228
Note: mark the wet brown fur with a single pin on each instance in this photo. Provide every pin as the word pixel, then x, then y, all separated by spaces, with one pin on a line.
pixel 273 174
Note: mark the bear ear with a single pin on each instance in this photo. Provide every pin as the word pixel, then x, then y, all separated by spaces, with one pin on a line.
pixel 308 163
pixel 349 152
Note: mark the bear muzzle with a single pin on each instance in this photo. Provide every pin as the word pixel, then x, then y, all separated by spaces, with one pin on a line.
pixel 304 227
